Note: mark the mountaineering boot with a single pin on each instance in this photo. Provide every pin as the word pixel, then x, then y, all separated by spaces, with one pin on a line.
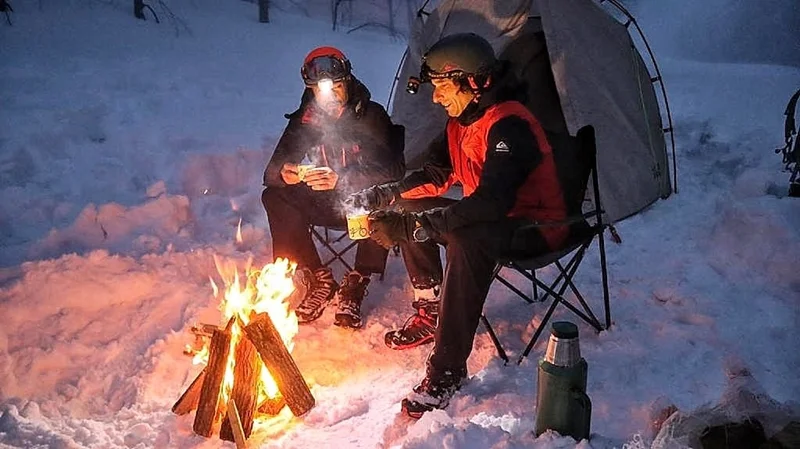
pixel 435 391
pixel 351 294
pixel 320 289
pixel 420 327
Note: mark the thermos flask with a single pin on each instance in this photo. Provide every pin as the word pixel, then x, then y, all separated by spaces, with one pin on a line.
pixel 561 401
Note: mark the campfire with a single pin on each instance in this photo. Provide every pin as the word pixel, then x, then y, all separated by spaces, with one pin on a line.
pixel 249 373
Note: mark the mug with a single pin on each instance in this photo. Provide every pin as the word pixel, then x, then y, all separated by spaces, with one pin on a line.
pixel 358 226
pixel 302 169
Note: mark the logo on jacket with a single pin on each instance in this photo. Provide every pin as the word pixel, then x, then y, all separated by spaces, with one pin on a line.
pixel 502 147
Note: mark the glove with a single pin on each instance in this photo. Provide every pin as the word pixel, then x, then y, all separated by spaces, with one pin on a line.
pixel 375 197
pixel 389 228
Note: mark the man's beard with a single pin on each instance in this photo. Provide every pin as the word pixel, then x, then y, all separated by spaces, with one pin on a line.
pixel 331 106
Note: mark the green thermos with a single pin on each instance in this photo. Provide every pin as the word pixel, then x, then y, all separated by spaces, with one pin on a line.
pixel 561 401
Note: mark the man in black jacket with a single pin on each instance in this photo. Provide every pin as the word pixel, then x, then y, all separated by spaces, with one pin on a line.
pixel 498 151
pixel 345 138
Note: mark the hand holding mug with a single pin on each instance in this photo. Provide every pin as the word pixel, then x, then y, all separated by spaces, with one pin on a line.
pixel 321 178
pixel 290 173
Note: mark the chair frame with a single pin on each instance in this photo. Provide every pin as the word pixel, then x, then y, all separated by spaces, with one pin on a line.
pixel 327 239
pixel 577 250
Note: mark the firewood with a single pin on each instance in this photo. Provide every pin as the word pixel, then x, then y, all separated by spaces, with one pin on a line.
pixel 203 329
pixel 235 424
pixel 272 406
pixel 212 385
pixel 246 375
pixel 191 397
pixel 262 333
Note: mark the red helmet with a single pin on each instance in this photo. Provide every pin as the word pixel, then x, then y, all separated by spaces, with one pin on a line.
pixel 325 63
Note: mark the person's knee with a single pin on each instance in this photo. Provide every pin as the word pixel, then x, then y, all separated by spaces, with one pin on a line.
pixel 463 241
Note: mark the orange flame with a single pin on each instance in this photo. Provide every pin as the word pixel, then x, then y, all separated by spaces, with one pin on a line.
pixel 239 238
pixel 260 291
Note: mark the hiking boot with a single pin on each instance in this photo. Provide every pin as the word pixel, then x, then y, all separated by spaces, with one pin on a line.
pixel 320 289
pixel 420 327
pixel 351 294
pixel 433 392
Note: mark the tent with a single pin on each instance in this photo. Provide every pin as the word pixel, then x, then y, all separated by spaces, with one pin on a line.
pixel 582 68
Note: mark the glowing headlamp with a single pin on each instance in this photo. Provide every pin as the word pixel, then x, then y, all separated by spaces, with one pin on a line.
pixel 325 85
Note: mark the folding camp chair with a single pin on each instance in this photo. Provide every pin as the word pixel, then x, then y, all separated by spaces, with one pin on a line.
pixel 334 238
pixel 582 234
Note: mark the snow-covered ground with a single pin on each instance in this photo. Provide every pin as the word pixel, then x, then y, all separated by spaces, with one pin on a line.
pixel 129 154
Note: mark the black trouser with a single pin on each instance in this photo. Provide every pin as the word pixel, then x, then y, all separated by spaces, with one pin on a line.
pixel 290 212
pixel 471 255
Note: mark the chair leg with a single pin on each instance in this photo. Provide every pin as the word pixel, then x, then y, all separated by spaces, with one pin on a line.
pixel 325 239
pixel 604 270
pixel 514 289
pixel 535 287
pixel 589 314
pixel 538 331
pixel 500 351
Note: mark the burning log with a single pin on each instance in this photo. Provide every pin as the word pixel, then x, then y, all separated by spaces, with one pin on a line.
pixel 235 424
pixel 262 333
pixel 203 330
pixel 242 361
pixel 246 375
pixel 272 406
pixel 191 397
pixel 211 392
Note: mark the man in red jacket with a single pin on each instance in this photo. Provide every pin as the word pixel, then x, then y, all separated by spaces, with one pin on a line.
pixel 498 151
pixel 346 138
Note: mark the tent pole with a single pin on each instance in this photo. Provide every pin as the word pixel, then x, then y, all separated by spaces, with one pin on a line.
pixel 660 79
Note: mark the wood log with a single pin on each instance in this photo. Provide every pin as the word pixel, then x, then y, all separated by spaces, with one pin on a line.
pixel 262 333
pixel 235 423
pixel 246 375
pixel 272 406
pixel 191 397
pixel 210 394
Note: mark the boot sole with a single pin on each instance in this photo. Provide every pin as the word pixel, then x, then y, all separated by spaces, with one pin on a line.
pixel 401 347
pixel 344 324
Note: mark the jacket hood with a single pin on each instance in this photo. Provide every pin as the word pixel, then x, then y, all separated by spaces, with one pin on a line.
pixel 358 96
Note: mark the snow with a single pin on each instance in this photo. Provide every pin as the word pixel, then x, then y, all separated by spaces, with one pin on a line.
pixel 131 151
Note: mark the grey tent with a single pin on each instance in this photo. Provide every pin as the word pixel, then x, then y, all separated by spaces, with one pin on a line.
pixel 582 68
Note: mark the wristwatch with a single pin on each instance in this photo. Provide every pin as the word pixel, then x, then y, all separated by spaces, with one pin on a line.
pixel 419 234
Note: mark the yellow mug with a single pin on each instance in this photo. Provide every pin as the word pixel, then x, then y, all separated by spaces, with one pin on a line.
pixel 358 226
pixel 302 169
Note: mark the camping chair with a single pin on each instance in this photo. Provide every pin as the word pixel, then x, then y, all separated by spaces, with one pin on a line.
pixel 333 237
pixel 330 238
pixel 568 258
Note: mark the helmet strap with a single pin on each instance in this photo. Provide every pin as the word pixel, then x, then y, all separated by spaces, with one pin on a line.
pixel 473 84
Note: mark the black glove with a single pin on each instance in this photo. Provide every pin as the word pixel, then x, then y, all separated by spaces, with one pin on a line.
pixel 389 228
pixel 375 197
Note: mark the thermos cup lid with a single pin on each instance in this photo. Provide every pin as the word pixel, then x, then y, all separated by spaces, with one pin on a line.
pixel 563 349
pixel 564 330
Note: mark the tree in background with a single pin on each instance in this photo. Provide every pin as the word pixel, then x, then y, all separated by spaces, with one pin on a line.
pixel 263 11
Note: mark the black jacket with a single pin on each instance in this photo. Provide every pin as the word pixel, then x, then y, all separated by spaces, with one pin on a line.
pixel 357 145
pixel 503 173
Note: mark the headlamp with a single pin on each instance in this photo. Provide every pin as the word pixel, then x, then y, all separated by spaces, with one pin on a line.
pixel 325 67
pixel 325 85
pixel 412 86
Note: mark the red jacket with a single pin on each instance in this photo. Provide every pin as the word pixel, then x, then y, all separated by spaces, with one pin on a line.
pixel 538 196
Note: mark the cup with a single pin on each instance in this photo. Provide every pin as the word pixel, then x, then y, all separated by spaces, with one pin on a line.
pixel 563 349
pixel 302 169
pixel 358 226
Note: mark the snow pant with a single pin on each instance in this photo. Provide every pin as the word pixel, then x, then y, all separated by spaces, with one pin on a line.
pixel 471 254
pixel 290 212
